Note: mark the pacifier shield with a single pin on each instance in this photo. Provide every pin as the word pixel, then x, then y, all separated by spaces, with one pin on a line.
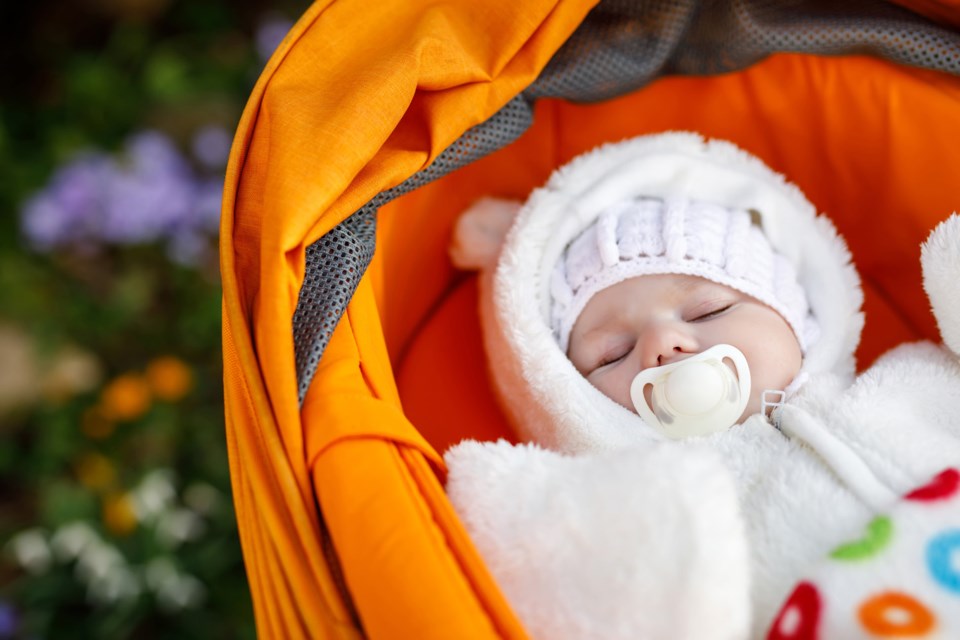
pixel 696 396
pixel 695 388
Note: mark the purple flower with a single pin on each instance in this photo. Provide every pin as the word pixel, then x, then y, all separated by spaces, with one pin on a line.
pixel 78 186
pixel 270 34
pixel 8 620
pixel 211 147
pixel 190 243
pixel 206 205
pixel 149 193
pixel 152 152
pixel 44 222
pixel 69 207
pixel 149 197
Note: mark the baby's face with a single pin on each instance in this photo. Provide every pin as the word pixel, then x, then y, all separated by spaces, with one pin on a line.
pixel 649 321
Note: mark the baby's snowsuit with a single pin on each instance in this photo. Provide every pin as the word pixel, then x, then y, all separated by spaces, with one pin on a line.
pixel 845 506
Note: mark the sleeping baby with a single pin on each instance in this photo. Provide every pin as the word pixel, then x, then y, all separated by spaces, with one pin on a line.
pixel 670 328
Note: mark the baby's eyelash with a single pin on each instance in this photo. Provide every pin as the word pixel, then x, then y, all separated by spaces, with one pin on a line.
pixel 713 313
pixel 614 357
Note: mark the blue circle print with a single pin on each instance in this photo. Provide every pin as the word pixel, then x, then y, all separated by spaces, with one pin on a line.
pixel 940 559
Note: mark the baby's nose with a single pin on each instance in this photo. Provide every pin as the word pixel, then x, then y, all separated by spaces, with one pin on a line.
pixel 665 342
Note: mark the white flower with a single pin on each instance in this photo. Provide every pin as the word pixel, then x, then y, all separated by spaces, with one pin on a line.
pixel 159 572
pixel 119 583
pixel 31 551
pixel 71 539
pixel 177 526
pixel 174 590
pixel 97 560
pixel 186 592
pixel 154 494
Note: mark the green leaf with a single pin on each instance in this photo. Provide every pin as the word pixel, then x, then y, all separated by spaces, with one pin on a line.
pixel 63 502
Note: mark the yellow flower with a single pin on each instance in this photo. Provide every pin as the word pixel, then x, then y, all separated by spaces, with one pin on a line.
pixel 119 514
pixel 95 425
pixel 126 397
pixel 170 378
pixel 95 471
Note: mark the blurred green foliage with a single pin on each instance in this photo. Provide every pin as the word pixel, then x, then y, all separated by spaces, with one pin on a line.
pixel 117 520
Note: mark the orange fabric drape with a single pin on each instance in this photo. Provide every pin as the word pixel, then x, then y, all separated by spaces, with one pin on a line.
pixel 346 108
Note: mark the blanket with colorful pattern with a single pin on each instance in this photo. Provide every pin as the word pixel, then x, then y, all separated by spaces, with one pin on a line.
pixel 901 579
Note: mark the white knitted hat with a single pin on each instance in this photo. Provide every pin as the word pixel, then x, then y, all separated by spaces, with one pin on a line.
pixel 648 236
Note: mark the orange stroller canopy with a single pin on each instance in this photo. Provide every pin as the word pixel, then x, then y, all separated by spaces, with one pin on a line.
pixel 351 348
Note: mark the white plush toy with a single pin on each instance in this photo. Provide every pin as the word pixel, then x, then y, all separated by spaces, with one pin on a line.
pixel 837 516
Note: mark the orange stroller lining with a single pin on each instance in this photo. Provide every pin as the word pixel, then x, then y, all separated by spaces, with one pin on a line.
pixel 872 144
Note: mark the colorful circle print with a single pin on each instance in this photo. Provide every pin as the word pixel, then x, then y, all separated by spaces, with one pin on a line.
pixel 896 615
pixel 878 536
pixel 943 486
pixel 943 558
pixel 799 617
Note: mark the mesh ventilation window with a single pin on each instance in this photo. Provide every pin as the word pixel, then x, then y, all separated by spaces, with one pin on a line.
pixel 335 262
pixel 621 46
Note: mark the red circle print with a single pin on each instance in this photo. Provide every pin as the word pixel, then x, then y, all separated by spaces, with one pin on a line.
pixel 943 485
pixel 799 617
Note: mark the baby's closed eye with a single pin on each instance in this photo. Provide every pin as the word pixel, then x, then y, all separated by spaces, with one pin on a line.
pixel 709 311
pixel 613 356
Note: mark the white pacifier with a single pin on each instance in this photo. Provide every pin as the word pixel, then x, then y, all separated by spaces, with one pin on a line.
pixel 696 396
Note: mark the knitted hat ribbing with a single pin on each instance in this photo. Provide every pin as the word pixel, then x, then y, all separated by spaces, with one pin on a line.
pixel 650 236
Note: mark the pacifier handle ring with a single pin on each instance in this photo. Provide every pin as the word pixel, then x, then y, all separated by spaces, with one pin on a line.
pixel 643 409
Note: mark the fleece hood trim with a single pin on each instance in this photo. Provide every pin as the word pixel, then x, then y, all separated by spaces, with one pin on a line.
pixel 546 398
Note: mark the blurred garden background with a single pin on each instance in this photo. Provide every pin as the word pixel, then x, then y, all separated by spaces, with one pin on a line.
pixel 116 118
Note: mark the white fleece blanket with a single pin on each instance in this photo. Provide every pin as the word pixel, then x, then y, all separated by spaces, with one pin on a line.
pixel 619 545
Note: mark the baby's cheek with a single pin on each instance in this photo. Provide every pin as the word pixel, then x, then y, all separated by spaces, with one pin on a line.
pixel 788 367
pixel 615 385
pixel 753 405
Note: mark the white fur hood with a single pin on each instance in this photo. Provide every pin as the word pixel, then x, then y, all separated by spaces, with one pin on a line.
pixel 547 400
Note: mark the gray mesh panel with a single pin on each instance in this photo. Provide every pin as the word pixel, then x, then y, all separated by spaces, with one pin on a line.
pixel 621 46
pixel 335 262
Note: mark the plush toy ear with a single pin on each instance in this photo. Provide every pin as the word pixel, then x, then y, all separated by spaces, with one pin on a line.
pixel 940 259
pixel 480 231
